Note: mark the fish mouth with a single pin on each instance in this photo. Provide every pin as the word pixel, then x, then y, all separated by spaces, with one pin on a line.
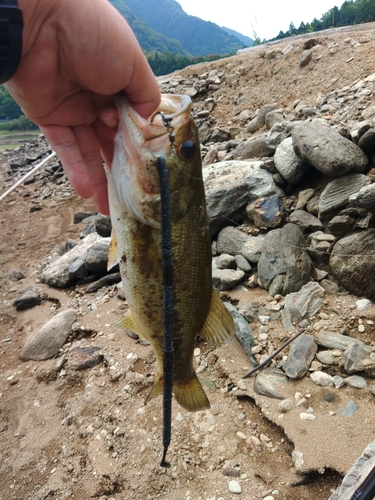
pixel 138 144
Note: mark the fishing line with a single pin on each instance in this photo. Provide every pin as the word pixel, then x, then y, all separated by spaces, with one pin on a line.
pixel 167 266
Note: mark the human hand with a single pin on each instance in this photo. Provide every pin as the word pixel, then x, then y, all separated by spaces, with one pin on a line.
pixel 76 56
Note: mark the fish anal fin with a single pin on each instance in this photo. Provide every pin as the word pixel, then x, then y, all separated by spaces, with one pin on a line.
pixel 219 327
pixel 191 395
pixel 113 255
pixel 157 388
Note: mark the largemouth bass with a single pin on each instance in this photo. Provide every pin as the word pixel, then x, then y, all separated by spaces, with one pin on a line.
pixel 134 198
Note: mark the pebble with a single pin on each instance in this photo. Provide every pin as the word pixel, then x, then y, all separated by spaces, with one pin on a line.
pixel 361 328
pixel 234 487
pixel 349 409
pixel 285 405
pixel 363 304
pixel 356 381
pixel 321 378
pixel 83 357
pixel 269 497
pixel 307 416
pixel 372 390
pixel 338 381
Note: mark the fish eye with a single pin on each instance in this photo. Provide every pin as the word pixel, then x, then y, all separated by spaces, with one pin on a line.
pixel 188 149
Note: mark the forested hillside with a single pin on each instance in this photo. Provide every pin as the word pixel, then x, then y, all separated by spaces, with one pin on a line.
pixel 198 37
pixel 351 12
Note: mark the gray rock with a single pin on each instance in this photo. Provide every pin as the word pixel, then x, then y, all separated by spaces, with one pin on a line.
pixel 57 274
pixel 301 353
pixel 356 475
pixel 329 286
pixel 305 303
pixel 83 357
pixel 321 378
pixel 15 274
pixel 46 342
pixel 253 148
pixel 266 212
pixel 352 263
pixel 251 311
pixel 372 390
pixel 333 340
pixel 365 198
pixel 242 263
pixel 269 382
pixel 353 358
pixel 327 358
pixel 341 224
pixel 303 197
pixel 289 164
pixel 230 186
pixel 243 332
pixel 284 265
pixel 338 381
pixel 78 269
pixel 337 193
pixel 327 150
pixel 107 280
pixel 272 118
pixel 78 217
pixel 226 279
pixel 305 58
pixel 103 226
pixel 260 119
pixel 356 381
pixel 349 409
pixel 233 241
pixel 226 261
pixel 28 298
pixel 97 256
pixel 305 221
pixel 367 142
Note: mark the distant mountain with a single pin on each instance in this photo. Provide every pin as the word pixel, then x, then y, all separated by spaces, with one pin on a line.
pixel 149 39
pixel 167 17
pixel 242 38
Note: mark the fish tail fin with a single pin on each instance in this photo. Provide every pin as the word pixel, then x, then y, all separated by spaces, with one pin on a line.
pixel 190 395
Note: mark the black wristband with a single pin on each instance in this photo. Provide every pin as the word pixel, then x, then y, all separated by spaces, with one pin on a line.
pixel 11 24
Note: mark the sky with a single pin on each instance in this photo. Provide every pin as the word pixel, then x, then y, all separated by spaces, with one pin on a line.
pixel 262 18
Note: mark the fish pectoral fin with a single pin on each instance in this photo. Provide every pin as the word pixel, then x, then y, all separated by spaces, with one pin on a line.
pixel 113 255
pixel 219 327
pixel 128 323
pixel 191 395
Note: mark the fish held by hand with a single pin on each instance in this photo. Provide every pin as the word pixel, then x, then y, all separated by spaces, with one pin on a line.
pixel 134 198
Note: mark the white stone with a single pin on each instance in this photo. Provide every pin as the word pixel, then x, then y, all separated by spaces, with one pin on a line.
pixel 321 378
pixel 307 416
pixel 234 487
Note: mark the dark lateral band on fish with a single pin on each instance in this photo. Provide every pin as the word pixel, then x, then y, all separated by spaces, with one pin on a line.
pixel 167 265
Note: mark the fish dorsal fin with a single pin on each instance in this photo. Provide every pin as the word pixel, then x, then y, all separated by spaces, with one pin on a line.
pixel 113 255
pixel 219 327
